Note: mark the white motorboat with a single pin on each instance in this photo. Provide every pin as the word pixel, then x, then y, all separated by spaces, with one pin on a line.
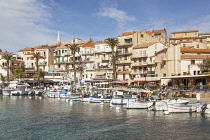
pixel 121 101
pixel 178 101
pixel 21 89
pixel 7 91
pixel 159 105
pixel 54 94
pixel 137 105
pixel 181 108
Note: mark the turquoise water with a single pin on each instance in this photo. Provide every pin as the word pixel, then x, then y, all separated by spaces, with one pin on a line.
pixel 24 118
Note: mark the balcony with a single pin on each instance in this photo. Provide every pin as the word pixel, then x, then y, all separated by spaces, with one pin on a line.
pixel 87 53
pixel 125 71
pixel 121 45
pixel 43 63
pixel 124 62
pixel 67 54
pixel 139 56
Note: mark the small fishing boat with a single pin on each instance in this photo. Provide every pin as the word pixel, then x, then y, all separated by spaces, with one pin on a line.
pixel 54 94
pixel 7 91
pixel 177 101
pixel 158 105
pixel 137 105
pixel 121 101
pixel 181 108
pixel 21 89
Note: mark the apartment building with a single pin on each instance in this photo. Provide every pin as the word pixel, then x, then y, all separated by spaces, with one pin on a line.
pixel 127 42
pixel 207 35
pixel 189 38
pixel 103 63
pixel 63 59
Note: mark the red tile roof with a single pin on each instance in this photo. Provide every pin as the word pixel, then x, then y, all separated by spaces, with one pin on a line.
pixel 185 31
pixel 148 32
pixel 90 45
pixel 194 56
pixel 181 38
pixel 184 49
pixel 42 47
pixel 2 53
pixel 26 49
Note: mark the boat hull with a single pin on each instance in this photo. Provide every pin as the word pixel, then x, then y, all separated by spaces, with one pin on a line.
pixel 122 101
pixel 181 108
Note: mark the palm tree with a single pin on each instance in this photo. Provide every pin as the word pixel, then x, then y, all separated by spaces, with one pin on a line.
pixel 19 73
pixel 113 42
pixel 3 79
pixel 37 57
pixel 74 48
pixel 8 58
pixel 40 74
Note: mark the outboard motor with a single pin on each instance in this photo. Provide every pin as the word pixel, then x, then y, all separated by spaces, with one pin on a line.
pixel 203 108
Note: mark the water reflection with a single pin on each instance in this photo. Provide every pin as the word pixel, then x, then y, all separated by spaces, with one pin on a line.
pixel 49 118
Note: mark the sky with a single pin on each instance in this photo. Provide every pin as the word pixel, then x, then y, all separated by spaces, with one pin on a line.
pixel 28 23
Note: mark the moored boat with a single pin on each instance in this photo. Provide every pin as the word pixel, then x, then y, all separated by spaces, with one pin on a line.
pixel 181 108
pixel 137 105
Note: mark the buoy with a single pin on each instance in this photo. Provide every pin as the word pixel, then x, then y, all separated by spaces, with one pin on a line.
pixel 166 112
pixel 117 108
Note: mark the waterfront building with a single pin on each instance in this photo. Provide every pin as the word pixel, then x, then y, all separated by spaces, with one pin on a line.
pixel 189 38
pixel 143 62
pixel 87 67
pixel 207 35
pixel 63 62
pixel 133 49
pixel 103 63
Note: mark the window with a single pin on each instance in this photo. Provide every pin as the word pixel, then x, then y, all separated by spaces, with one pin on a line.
pixel 157 33
pixel 184 45
pixel 142 35
pixel 196 33
pixel 201 40
pixel 185 34
pixel 192 62
pixel 125 57
pixel 127 41
pixel 197 45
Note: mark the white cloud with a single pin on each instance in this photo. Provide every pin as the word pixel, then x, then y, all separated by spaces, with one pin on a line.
pixel 120 16
pixel 116 14
pixel 24 23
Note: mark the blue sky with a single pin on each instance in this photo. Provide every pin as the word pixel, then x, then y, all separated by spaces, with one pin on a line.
pixel 27 23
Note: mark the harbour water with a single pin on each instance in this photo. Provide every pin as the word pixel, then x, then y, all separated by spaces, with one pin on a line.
pixel 25 118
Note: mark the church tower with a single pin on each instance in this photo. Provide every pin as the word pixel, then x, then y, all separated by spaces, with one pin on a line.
pixel 58 42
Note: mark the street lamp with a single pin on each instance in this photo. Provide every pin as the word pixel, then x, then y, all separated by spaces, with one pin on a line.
pixel 145 75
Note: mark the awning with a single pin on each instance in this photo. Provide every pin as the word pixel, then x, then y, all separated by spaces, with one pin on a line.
pixel 123 82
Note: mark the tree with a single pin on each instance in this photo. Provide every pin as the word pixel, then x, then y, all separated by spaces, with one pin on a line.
pixel 74 48
pixel 3 79
pixel 81 68
pixel 113 42
pixel 19 73
pixel 40 74
pixel 37 57
pixel 8 58
pixel 205 66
